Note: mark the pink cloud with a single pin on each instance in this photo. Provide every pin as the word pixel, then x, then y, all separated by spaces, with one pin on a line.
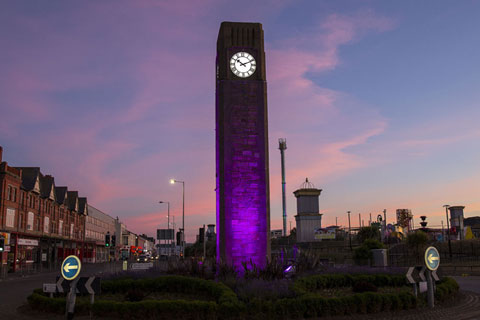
pixel 165 127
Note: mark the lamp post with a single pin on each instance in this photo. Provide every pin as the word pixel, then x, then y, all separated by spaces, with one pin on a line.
pixel 349 231
pixel 168 219
pixel 448 229
pixel 172 181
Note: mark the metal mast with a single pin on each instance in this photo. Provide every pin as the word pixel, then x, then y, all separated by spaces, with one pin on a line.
pixel 282 145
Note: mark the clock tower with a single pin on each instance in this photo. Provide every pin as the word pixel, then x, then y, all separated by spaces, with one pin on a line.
pixel 242 183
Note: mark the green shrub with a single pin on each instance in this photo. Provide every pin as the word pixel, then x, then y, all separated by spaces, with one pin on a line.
pixel 326 281
pixel 43 303
pixel 156 308
pixel 364 286
pixel 366 233
pixel 306 303
pixel 362 254
pixel 447 288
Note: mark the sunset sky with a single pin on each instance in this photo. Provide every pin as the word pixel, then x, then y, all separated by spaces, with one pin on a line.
pixel 378 101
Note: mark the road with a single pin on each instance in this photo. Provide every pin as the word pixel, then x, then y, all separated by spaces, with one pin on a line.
pixel 14 291
pixel 470 283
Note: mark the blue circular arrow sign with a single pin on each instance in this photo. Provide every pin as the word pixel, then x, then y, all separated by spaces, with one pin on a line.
pixel 71 267
pixel 432 258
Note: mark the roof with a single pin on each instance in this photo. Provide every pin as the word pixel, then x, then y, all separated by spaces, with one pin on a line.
pixel 29 177
pixel 307 189
pixel 82 205
pixel 61 193
pixel 46 184
pixel 472 221
pixel 72 197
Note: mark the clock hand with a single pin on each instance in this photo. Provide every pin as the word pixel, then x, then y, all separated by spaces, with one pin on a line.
pixel 243 64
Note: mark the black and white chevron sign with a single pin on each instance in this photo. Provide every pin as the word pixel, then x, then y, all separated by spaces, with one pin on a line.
pixel 89 285
pixel 416 274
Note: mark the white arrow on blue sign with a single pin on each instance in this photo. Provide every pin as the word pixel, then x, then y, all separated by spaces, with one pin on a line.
pixel 432 258
pixel 71 267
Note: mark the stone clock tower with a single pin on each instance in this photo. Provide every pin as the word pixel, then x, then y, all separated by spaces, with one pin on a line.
pixel 243 204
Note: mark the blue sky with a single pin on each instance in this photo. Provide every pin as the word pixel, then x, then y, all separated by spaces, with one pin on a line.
pixel 378 101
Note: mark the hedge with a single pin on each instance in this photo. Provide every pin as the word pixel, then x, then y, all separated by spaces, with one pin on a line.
pixel 315 282
pixel 148 309
pixel 446 288
pixel 226 304
pixel 306 304
pixel 178 284
pixel 313 305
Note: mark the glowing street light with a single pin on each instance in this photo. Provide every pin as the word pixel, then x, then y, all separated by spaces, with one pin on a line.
pixel 172 181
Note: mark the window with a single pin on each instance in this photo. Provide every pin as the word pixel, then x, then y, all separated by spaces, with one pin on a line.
pixel 71 229
pixel 14 194
pixel 21 197
pixel 10 218
pixel 37 224
pixel 9 192
pixel 60 227
pixel 21 223
pixel 46 224
pixel 54 226
pixel 30 221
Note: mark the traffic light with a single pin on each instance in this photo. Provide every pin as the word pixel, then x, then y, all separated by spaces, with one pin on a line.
pixel 107 240
pixel 114 238
pixel 2 244
pixel 179 238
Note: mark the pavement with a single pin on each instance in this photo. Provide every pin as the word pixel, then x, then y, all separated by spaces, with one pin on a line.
pixel 14 291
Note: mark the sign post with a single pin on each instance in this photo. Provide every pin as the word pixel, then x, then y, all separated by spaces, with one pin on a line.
pixel 70 270
pixel 432 261
pixel 416 275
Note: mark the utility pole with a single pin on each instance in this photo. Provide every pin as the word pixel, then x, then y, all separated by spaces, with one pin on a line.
pixel 448 230
pixel 359 221
pixel 443 232
pixel 204 244
pixel 349 231
pixel 384 223
pixel 282 145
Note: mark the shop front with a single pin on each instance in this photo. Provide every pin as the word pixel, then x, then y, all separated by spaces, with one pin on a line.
pixel 4 265
pixel 25 255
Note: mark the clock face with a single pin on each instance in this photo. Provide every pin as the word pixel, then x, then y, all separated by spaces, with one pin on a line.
pixel 243 64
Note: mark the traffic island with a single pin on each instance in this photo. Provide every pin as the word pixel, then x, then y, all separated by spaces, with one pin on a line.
pixel 193 298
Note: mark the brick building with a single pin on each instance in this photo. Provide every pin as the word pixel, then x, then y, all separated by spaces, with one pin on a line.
pixel 41 223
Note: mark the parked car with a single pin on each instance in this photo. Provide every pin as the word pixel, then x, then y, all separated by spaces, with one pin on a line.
pixel 142 258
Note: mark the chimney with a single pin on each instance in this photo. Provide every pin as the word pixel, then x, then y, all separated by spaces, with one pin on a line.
pixel 1 153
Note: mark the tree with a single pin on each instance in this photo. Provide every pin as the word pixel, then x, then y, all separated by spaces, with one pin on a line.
pixel 364 253
pixel 417 240
pixel 368 233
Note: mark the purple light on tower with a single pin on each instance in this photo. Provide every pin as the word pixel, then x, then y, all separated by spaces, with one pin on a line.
pixel 243 215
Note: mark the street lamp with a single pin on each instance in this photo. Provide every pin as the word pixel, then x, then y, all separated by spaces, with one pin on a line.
pixel 172 181
pixel 168 217
pixel 448 229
